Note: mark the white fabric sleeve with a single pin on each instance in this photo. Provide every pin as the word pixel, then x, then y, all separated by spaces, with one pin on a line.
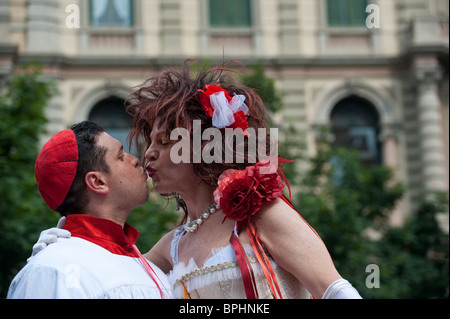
pixel 43 282
pixel 341 289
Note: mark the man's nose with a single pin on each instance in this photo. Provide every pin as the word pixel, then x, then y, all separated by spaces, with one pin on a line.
pixel 134 160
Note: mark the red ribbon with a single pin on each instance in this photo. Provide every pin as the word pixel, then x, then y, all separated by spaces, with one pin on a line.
pixel 282 160
pixel 263 261
pixel 150 271
pixel 246 269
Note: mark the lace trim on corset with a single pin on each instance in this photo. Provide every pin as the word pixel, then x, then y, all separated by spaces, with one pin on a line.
pixel 205 270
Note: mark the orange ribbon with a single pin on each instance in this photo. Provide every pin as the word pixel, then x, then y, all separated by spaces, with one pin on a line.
pixel 248 277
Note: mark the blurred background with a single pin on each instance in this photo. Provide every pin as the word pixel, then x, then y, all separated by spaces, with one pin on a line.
pixel 358 89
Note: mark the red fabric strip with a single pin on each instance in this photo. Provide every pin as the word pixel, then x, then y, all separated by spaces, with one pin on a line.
pixel 245 267
pixel 280 172
pixel 263 261
pixel 104 233
pixel 150 271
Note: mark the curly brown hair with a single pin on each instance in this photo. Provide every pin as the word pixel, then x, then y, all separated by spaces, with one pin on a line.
pixel 171 98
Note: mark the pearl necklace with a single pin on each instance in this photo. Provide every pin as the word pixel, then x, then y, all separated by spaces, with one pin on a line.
pixel 193 225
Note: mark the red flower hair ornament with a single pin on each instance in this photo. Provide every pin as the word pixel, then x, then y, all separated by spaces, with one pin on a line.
pixel 224 110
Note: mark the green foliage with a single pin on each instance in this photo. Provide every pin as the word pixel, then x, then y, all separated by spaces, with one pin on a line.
pixel 348 203
pixel 23 214
pixel 153 220
pixel 265 87
pixel 416 255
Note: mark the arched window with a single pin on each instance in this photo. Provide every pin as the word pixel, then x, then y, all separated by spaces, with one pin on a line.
pixel 355 124
pixel 110 113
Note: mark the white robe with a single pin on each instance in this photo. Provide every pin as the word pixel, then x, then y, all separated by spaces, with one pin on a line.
pixel 77 268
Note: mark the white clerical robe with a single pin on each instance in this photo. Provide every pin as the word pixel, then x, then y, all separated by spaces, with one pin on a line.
pixel 96 262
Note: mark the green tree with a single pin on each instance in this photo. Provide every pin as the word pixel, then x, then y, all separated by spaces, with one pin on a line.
pixel 265 87
pixel 414 258
pixel 348 203
pixel 153 220
pixel 22 211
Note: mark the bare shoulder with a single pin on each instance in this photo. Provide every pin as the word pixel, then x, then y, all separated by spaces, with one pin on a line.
pixel 278 223
pixel 278 216
pixel 295 246
pixel 160 252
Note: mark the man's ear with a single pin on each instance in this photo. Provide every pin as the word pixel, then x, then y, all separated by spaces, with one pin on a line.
pixel 96 182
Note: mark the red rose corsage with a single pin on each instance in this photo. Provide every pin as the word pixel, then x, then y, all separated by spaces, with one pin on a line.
pixel 241 194
pixel 224 110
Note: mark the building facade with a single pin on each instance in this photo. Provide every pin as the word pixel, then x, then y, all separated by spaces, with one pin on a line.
pixel 374 71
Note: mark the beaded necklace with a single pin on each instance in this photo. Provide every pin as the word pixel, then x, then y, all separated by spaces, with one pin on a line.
pixel 193 225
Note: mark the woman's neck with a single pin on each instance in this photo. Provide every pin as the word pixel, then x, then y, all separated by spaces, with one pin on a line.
pixel 198 199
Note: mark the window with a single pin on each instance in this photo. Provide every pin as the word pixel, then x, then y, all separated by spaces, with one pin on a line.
pixel 355 124
pixel 110 113
pixel 117 13
pixel 346 13
pixel 230 13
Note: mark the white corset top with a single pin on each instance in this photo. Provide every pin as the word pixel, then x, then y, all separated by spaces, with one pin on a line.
pixel 220 276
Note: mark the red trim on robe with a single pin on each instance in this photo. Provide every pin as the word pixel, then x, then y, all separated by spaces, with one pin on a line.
pixel 104 233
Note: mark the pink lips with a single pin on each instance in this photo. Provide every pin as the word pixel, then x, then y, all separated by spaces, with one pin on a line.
pixel 150 171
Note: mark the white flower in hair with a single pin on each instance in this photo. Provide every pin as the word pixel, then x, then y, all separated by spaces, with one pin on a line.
pixel 224 109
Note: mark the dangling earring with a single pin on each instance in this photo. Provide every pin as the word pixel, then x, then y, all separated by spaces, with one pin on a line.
pixel 212 182
pixel 178 200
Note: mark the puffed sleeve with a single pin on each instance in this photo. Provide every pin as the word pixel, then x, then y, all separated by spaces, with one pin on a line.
pixel 44 282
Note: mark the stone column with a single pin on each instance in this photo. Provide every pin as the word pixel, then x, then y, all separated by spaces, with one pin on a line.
pixel 43 26
pixel 8 51
pixel 389 140
pixel 171 27
pixel 391 158
pixel 289 33
pixel 4 21
pixel 427 74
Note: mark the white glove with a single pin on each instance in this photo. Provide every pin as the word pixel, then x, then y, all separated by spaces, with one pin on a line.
pixel 341 289
pixel 50 236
